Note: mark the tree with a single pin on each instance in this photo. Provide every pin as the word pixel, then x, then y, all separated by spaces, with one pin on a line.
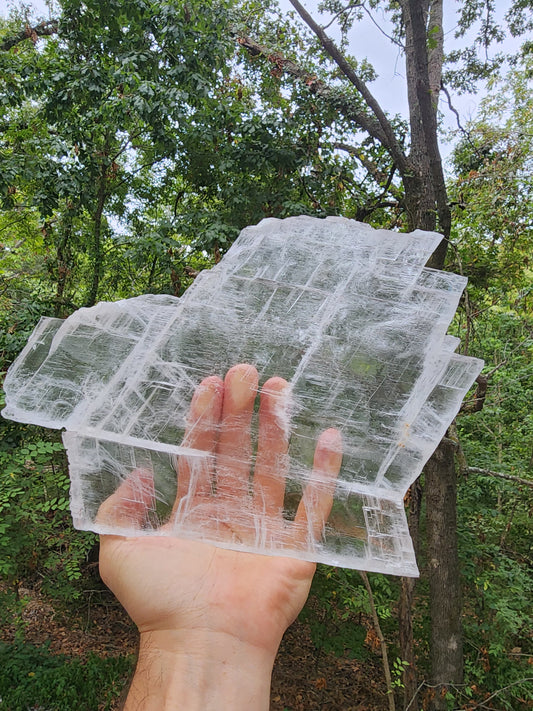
pixel 418 29
pixel 183 122
pixel 103 103
pixel 424 200
pixel 492 201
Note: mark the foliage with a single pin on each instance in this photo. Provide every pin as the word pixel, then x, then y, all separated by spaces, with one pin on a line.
pixel 493 190
pixel 32 677
pixel 335 627
pixel 35 538
pixel 135 143
pixel 496 558
pixel 493 245
pixel 35 525
pixel 92 116
pixel 338 615
pixel 481 27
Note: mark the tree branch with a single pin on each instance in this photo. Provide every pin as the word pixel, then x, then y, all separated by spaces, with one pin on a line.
pixel 389 139
pixel 316 87
pixel 476 405
pixel 500 475
pixel 427 112
pixel 379 176
pixel 435 49
pixel 454 110
pixel 45 28
pixel 381 638
pixel 391 39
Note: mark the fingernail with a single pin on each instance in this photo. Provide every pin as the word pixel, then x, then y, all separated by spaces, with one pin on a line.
pixel 330 450
pixel 242 381
pixel 205 397
pixel 279 402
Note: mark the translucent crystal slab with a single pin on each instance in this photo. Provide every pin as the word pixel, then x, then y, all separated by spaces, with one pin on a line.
pixel 348 315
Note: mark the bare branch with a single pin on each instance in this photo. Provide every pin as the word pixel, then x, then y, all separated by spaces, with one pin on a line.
pixel 336 16
pixel 461 128
pixel 45 28
pixel 378 175
pixel 391 39
pixel 390 141
pixel 381 638
pixel 453 109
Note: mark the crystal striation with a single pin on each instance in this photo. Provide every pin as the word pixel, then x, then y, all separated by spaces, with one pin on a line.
pixel 348 315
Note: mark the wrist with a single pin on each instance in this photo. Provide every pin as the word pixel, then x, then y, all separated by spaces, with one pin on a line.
pixel 200 671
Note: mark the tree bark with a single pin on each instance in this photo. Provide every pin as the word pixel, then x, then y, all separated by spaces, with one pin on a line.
pixel 446 649
pixel 405 608
pixel 426 196
pixel 97 251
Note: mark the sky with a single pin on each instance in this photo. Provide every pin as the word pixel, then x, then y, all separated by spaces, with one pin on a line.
pixel 368 40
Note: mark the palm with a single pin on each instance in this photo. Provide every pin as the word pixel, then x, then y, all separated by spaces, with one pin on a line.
pixel 169 583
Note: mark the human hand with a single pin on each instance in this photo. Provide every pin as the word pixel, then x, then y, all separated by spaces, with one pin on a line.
pixel 211 619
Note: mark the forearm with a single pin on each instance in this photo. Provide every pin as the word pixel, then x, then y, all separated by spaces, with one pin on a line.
pixel 202 671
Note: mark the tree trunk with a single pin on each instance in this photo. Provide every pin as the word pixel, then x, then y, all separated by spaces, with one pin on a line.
pixel 63 260
pixel 405 609
pixel 427 208
pixel 446 649
pixel 97 251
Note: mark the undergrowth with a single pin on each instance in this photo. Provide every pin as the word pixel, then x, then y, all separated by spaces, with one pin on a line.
pixel 33 679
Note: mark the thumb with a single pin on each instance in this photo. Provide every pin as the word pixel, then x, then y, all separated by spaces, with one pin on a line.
pixel 129 505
